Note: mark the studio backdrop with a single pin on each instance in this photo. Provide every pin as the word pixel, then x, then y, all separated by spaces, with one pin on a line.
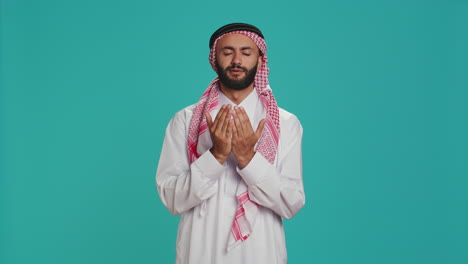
pixel 88 87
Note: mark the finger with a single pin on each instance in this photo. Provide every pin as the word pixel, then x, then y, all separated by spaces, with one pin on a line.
pixel 238 125
pixel 245 119
pixel 235 134
pixel 260 127
pixel 240 119
pixel 216 121
pixel 226 117
pixel 229 129
pixel 209 121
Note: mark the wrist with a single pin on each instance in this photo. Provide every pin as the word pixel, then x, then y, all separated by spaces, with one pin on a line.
pixel 218 156
pixel 245 159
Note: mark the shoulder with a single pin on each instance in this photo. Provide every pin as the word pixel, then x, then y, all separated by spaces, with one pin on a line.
pixel 289 122
pixel 185 113
pixel 181 119
pixel 290 131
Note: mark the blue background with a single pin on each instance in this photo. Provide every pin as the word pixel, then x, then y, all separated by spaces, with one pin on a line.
pixel 88 87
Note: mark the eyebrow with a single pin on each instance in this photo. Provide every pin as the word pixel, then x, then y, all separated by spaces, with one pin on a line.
pixel 232 48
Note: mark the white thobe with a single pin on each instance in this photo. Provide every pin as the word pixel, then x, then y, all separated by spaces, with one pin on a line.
pixel 204 192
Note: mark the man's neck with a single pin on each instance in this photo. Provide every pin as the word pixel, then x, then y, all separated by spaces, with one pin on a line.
pixel 236 96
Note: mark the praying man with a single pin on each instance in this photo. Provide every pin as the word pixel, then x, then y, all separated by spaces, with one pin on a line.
pixel 231 164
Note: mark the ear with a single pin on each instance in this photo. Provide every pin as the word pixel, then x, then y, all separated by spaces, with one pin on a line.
pixel 260 63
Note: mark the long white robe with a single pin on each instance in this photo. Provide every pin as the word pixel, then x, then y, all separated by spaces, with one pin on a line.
pixel 204 192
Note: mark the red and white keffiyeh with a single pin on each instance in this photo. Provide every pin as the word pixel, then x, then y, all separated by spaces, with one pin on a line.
pixel 268 143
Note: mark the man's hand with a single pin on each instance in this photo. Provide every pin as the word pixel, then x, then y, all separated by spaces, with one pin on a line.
pixel 243 137
pixel 221 133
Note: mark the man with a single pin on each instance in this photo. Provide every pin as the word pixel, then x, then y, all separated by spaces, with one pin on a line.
pixel 232 163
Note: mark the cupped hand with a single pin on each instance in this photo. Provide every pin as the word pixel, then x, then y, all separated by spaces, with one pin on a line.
pixel 221 133
pixel 244 137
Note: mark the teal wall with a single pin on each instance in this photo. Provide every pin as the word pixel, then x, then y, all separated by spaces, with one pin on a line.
pixel 88 87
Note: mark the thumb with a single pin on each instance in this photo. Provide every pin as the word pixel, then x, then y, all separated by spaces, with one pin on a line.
pixel 209 121
pixel 260 127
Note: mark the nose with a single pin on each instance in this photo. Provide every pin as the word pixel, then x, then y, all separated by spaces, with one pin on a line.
pixel 236 60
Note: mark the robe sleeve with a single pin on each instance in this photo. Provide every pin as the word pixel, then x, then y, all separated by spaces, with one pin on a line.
pixel 182 185
pixel 279 188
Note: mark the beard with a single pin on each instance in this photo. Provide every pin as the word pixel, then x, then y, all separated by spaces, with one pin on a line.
pixel 236 84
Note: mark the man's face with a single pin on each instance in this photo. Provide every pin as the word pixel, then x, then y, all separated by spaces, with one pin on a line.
pixel 237 61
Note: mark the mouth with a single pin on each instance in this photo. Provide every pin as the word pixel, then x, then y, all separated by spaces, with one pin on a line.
pixel 236 71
